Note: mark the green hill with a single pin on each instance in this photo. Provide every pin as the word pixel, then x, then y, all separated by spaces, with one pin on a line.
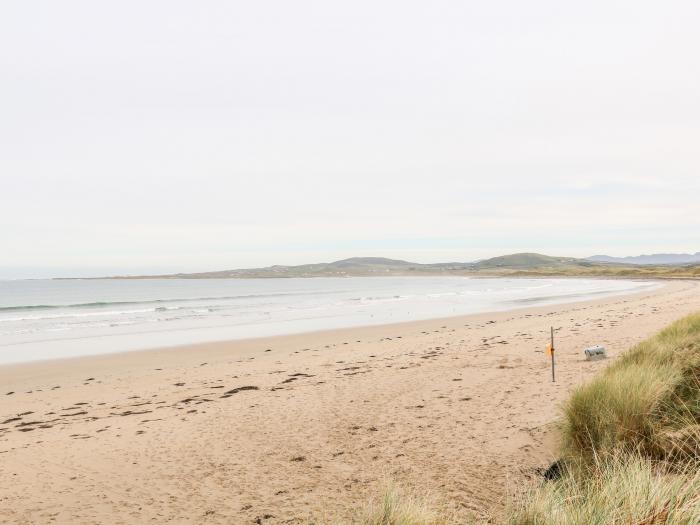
pixel 520 261
pixel 516 264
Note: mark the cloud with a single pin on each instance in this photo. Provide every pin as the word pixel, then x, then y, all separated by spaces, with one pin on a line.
pixel 164 135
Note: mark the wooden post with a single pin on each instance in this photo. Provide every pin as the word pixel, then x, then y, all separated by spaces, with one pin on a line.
pixel 552 346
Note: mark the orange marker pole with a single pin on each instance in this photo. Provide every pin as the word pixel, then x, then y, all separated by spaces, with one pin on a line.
pixel 552 351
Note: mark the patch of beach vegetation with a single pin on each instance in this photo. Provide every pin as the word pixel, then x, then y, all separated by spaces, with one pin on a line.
pixel 398 505
pixel 647 401
pixel 622 489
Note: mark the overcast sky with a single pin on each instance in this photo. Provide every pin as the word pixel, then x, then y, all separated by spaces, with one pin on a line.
pixel 148 136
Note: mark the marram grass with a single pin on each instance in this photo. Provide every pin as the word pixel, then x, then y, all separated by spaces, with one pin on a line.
pixel 649 394
pixel 397 506
pixel 626 489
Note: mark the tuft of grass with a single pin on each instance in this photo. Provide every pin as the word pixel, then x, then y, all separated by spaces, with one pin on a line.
pixel 624 489
pixel 397 506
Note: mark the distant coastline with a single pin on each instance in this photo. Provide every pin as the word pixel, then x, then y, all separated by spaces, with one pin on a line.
pixel 513 265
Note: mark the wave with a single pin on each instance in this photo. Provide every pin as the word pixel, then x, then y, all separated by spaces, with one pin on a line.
pixel 82 315
pixel 101 304
pixel 571 295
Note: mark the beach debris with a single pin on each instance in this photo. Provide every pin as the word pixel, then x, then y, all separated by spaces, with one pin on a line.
pixel 130 413
pixel 229 393
pixel 595 352
pixel 30 423
pixel 553 472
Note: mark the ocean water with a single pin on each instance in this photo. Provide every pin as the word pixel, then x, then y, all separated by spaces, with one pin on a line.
pixel 44 319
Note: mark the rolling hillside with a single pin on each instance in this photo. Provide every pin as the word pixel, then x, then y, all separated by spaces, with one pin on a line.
pixel 518 264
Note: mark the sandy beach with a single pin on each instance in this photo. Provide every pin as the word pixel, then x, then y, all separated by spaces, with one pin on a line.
pixel 289 428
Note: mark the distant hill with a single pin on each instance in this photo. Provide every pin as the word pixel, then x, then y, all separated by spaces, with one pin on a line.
pixel 656 258
pixel 370 262
pixel 517 265
pixel 522 261
pixel 355 266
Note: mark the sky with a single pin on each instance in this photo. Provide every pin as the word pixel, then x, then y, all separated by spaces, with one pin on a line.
pixel 166 136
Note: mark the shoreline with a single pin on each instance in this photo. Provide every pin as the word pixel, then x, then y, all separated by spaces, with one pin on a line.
pixel 254 342
pixel 301 427
pixel 129 338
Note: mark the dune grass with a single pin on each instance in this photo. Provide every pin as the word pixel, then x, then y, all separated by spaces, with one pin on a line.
pixel 398 506
pixel 647 401
pixel 624 489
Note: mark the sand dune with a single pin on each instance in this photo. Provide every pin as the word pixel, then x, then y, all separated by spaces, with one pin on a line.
pixel 283 429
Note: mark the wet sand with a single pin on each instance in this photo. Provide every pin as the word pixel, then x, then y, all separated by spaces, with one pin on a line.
pixel 285 429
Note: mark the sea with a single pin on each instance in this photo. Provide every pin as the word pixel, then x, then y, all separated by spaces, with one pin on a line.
pixel 48 319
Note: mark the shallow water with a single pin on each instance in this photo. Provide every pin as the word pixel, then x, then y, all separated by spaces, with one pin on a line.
pixel 41 319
